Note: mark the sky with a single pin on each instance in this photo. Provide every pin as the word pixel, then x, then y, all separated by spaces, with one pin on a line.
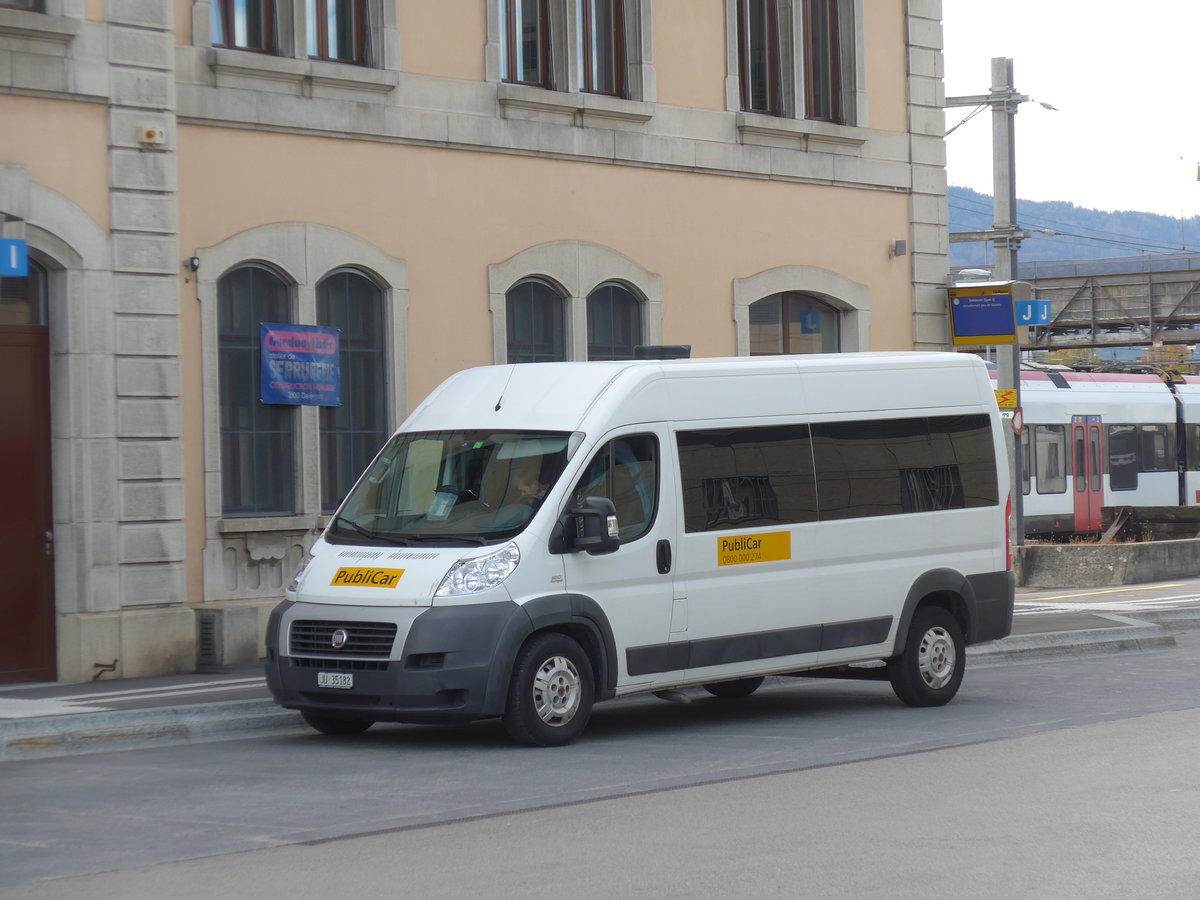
pixel 1125 136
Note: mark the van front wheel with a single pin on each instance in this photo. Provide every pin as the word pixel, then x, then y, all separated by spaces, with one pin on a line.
pixel 551 693
pixel 930 668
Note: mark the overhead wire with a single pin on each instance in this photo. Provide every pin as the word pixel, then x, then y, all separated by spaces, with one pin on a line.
pixel 1100 235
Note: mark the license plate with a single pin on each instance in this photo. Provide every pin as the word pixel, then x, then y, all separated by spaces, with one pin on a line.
pixel 341 680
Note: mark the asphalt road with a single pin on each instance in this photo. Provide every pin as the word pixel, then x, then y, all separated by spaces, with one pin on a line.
pixel 1072 778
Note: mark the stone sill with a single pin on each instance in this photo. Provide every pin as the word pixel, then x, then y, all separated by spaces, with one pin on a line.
pixel 312 71
pixel 802 134
pixel 20 23
pixel 262 524
pixel 581 108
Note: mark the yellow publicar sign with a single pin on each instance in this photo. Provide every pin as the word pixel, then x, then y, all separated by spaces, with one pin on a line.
pixel 357 577
pixel 754 548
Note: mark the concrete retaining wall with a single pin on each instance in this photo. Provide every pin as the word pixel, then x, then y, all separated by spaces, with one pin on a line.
pixel 1097 565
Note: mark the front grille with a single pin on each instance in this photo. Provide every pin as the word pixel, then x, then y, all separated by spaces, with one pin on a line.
pixel 312 638
pixel 340 665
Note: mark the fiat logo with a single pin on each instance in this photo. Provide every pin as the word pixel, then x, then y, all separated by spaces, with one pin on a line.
pixel 339 638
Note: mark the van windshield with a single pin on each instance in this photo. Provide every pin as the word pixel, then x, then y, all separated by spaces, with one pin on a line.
pixel 452 487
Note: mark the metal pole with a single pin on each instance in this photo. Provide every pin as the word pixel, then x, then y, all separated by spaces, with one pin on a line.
pixel 1004 101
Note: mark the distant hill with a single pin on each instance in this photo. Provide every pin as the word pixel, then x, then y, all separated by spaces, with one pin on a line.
pixel 1080 233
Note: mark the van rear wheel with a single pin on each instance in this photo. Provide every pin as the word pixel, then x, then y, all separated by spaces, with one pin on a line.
pixel 337 725
pixel 551 693
pixel 743 687
pixel 930 669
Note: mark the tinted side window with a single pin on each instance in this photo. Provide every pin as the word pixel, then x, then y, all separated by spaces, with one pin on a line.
pixel 890 466
pixel 625 470
pixel 744 477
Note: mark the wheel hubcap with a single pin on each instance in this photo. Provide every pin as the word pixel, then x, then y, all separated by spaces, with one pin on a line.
pixel 557 690
pixel 936 658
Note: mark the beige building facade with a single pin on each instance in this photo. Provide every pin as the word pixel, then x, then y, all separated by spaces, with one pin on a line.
pixel 449 183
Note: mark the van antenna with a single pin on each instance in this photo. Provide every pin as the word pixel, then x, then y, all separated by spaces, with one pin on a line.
pixel 503 390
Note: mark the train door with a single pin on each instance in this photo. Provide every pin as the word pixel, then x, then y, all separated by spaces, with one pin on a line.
pixel 1087 445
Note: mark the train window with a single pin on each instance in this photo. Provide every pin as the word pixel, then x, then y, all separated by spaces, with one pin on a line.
pixel 1094 439
pixel 1157 448
pixel 1123 457
pixel 1027 456
pixel 1050 458
pixel 1080 461
pixel 1192 433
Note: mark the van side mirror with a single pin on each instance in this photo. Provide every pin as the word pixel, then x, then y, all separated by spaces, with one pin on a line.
pixel 591 527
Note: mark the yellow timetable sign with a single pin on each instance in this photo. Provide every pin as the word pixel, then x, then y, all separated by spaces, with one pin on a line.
pixel 1006 398
pixel 754 548
pixel 376 578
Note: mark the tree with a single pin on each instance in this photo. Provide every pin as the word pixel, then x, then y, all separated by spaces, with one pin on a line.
pixel 1075 357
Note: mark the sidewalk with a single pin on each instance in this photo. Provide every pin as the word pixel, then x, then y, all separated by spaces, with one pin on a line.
pixel 46 720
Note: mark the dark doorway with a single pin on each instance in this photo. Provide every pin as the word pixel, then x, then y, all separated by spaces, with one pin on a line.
pixel 27 646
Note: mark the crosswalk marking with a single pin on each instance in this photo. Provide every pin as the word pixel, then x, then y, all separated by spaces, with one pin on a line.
pixel 1142 604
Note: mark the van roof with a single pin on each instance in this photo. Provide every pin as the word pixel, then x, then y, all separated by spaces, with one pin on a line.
pixel 561 396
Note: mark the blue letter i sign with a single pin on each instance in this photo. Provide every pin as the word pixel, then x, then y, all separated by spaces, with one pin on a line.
pixel 14 256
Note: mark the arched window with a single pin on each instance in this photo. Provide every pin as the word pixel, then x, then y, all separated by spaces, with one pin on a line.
pixel 535 325
pixel 258 447
pixel 793 323
pixel 614 322
pixel 352 433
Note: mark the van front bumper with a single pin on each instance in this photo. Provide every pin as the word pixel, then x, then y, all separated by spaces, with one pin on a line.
pixel 445 664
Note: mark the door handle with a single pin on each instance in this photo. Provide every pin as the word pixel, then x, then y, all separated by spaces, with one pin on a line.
pixel 664 557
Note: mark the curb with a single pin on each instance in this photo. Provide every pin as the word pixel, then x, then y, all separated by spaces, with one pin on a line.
pixel 1032 648
pixel 137 729
pixel 47 737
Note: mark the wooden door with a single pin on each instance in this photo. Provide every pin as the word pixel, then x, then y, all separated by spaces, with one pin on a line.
pixel 27 647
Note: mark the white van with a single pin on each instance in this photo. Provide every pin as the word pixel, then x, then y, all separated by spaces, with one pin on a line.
pixel 538 537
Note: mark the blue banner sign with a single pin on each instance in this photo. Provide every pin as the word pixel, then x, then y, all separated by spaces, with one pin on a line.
pixel 300 365
pixel 14 256
pixel 982 314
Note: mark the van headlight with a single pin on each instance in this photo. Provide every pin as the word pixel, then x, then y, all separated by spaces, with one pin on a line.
pixel 295 582
pixel 470 576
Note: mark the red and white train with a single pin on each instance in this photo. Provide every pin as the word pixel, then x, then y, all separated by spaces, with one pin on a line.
pixel 1096 439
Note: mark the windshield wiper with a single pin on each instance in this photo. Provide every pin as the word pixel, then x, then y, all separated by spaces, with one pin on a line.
pixel 368 533
pixel 435 538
